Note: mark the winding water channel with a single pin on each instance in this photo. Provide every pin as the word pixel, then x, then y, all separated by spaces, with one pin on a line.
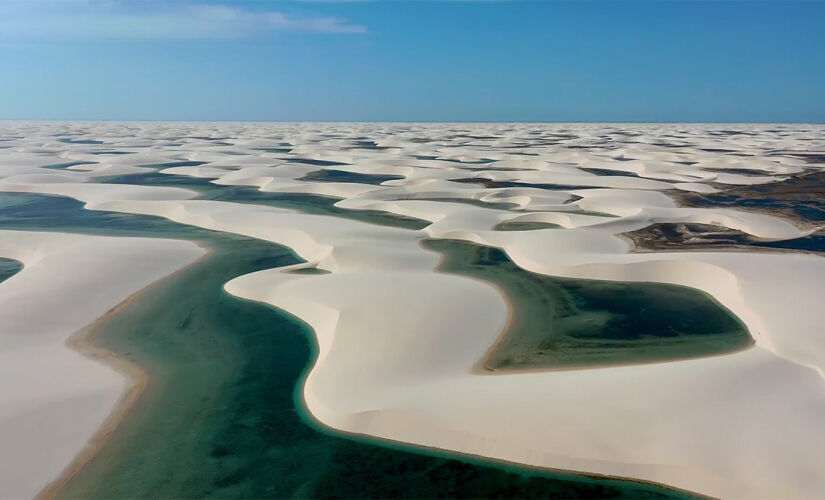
pixel 222 415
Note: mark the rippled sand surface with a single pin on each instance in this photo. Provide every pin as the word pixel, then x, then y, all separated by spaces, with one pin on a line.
pixel 730 211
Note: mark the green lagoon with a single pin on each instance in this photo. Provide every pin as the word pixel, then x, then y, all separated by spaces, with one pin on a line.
pixel 8 268
pixel 563 323
pixel 306 203
pixel 222 414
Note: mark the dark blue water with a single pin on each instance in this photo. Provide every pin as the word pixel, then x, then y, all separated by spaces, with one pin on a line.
pixel 8 268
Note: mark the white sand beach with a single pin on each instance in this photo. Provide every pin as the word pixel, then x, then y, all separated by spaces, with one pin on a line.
pixel 54 398
pixel 398 339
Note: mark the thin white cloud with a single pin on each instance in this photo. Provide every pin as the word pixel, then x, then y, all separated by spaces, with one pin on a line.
pixel 112 19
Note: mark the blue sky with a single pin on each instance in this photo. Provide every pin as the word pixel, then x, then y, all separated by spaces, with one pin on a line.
pixel 416 60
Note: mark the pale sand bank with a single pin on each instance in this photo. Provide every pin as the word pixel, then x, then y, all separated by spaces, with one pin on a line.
pixel 59 399
pixel 398 340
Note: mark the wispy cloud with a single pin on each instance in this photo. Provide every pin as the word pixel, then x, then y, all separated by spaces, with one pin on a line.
pixel 113 19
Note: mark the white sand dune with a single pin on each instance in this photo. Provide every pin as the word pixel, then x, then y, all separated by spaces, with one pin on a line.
pixel 53 398
pixel 398 340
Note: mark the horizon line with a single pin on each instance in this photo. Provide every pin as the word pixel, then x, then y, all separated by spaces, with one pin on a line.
pixel 639 122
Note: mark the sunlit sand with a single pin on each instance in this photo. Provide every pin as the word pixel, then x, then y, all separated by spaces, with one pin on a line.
pixel 403 344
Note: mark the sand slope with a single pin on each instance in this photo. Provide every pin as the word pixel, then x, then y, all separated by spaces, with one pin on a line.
pixel 398 340
pixel 53 398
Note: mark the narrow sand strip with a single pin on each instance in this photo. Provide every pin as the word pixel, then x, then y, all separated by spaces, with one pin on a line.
pixel 59 399
pixel 398 340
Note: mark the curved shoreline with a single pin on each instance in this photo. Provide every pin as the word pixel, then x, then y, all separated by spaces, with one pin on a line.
pixel 133 374
pixel 451 256
pixel 486 461
pixel 313 421
pixel 84 340
pixel 687 423
pixel 548 468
